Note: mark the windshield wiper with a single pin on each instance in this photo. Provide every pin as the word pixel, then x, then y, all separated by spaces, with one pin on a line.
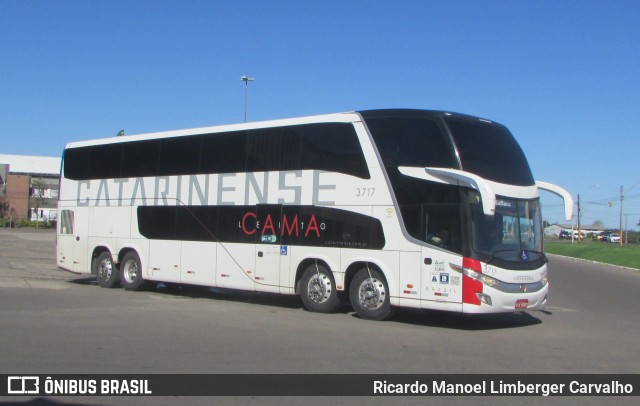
pixel 542 254
pixel 494 254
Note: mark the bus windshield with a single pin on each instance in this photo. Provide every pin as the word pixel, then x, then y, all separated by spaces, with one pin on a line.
pixel 513 235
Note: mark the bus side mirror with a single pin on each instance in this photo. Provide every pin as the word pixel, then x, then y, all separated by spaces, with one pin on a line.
pixel 457 177
pixel 557 190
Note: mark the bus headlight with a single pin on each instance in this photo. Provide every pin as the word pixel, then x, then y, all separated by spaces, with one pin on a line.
pixel 487 280
pixel 480 277
pixel 545 280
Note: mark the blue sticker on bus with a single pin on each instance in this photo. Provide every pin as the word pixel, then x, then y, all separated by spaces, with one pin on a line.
pixel 283 250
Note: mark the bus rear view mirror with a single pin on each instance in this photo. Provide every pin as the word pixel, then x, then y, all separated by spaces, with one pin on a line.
pixel 456 177
pixel 557 190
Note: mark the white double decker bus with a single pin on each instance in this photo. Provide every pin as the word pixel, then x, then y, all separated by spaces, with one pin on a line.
pixel 383 208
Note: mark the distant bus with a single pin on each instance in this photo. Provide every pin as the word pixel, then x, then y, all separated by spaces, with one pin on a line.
pixel 381 209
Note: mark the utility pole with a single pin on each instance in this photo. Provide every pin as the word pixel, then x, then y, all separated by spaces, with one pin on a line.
pixel 621 204
pixel 579 215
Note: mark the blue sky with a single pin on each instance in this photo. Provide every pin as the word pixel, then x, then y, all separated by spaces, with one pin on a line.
pixel 562 75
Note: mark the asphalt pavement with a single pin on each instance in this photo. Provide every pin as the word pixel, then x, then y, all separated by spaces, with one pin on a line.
pixel 53 321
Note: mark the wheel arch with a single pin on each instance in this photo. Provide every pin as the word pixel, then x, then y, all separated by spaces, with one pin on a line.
pixel 124 250
pixel 97 250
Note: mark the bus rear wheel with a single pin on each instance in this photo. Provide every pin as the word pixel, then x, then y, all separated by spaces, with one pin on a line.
pixel 105 270
pixel 317 290
pixel 369 295
pixel 131 272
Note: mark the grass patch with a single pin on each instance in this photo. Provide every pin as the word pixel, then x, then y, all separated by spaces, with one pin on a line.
pixel 615 254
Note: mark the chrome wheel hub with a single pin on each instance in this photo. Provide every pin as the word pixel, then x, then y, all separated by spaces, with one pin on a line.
pixel 130 271
pixel 372 293
pixel 105 269
pixel 319 288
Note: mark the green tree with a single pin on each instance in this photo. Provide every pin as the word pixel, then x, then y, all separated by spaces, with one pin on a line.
pixel 4 208
pixel 37 197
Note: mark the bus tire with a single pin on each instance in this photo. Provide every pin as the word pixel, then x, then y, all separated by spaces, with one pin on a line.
pixel 131 272
pixel 105 270
pixel 318 290
pixel 369 295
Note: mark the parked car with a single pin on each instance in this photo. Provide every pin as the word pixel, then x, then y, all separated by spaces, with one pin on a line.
pixel 613 237
pixel 564 235
pixel 601 236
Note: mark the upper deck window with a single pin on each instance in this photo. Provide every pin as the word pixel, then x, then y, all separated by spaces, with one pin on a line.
pixel 411 141
pixel 332 147
pixel 489 150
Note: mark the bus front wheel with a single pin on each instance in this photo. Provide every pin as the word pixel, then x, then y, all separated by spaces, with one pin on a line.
pixel 369 295
pixel 131 272
pixel 317 290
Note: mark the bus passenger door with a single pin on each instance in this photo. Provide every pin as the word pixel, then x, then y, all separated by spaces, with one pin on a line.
pixel 441 276
pixel 268 249
pixel 442 263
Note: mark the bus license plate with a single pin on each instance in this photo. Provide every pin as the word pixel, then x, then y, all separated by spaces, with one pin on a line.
pixel 522 303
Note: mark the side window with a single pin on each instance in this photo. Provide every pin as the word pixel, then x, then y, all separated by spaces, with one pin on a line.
pixel 179 156
pixel 431 212
pixel 325 146
pixel 443 225
pixel 140 159
pixel 66 222
pixel 411 142
pixel 76 163
pixel 333 147
pixel 273 149
pixel 223 153
pixel 105 161
pixel 94 162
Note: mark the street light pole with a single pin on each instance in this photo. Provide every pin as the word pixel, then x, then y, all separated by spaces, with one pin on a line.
pixel 246 81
